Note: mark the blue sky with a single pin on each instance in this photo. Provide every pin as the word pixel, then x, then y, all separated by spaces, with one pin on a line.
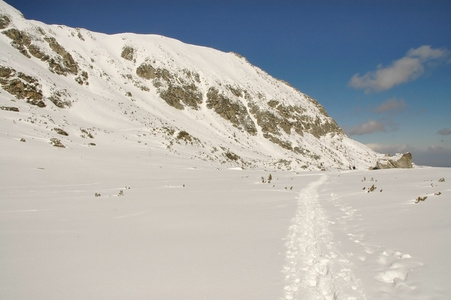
pixel 381 69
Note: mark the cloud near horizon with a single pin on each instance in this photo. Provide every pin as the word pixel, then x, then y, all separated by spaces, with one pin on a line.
pixel 431 155
pixel 407 68
pixel 391 105
pixel 366 128
pixel 390 148
pixel 444 131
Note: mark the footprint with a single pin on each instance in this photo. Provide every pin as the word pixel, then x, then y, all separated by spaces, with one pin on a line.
pixel 397 267
pixel 402 255
pixel 382 260
pixel 369 250
pixel 392 275
pixel 361 258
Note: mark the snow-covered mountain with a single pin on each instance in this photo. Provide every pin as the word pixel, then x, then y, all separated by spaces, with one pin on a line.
pixel 73 88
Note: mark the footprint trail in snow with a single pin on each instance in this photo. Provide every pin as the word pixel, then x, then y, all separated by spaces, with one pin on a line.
pixel 314 268
pixel 387 269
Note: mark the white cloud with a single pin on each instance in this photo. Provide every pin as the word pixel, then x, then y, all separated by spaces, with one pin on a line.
pixel 391 105
pixel 389 148
pixel 405 69
pixel 444 131
pixel 427 53
pixel 366 128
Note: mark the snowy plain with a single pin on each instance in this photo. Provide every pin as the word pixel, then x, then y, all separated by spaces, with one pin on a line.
pixel 191 229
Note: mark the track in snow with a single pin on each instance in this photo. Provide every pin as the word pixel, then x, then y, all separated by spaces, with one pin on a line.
pixel 314 269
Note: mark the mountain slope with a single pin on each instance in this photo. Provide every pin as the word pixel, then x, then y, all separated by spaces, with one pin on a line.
pixel 75 88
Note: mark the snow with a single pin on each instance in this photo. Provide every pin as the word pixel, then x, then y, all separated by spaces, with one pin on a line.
pixel 177 232
pixel 190 229
pixel 126 211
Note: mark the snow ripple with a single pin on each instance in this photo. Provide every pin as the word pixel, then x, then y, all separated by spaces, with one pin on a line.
pixel 314 269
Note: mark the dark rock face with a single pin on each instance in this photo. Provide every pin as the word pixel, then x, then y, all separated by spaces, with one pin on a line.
pixel 176 96
pixel 57 143
pixel 83 78
pixel 62 64
pixel 21 85
pixel 146 71
pixel 279 119
pixel 36 52
pixel 404 162
pixel 128 53
pixel 68 63
pixel 60 131
pixel 266 119
pixel 9 108
pixel 60 99
pixel 178 90
pixel 20 40
pixel 6 72
pixel 4 22
pixel 233 111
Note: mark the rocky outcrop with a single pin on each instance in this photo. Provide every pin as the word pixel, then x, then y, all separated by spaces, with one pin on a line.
pixel 178 96
pixel 60 99
pixel 62 64
pixel 178 90
pixel 56 143
pixel 278 118
pixel 403 161
pixel 20 40
pixel 4 21
pixel 60 131
pixel 233 111
pixel 10 108
pixel 146 71
pixel 128 53
pixel 21 85
pixel 68 63
pixel 36 52
pixel 23 42
pixel 82 78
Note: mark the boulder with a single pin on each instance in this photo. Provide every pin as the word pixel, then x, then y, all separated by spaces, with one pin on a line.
pixel 128 53
pixel 403 161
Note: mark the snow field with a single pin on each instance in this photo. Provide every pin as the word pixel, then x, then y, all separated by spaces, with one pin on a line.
pixel 182 229
pixel 395 245
pixel 190 229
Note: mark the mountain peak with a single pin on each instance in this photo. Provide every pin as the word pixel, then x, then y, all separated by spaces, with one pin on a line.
pixel 196 101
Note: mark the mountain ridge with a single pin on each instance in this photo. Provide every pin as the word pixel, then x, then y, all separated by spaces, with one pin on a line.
pixel 161 93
